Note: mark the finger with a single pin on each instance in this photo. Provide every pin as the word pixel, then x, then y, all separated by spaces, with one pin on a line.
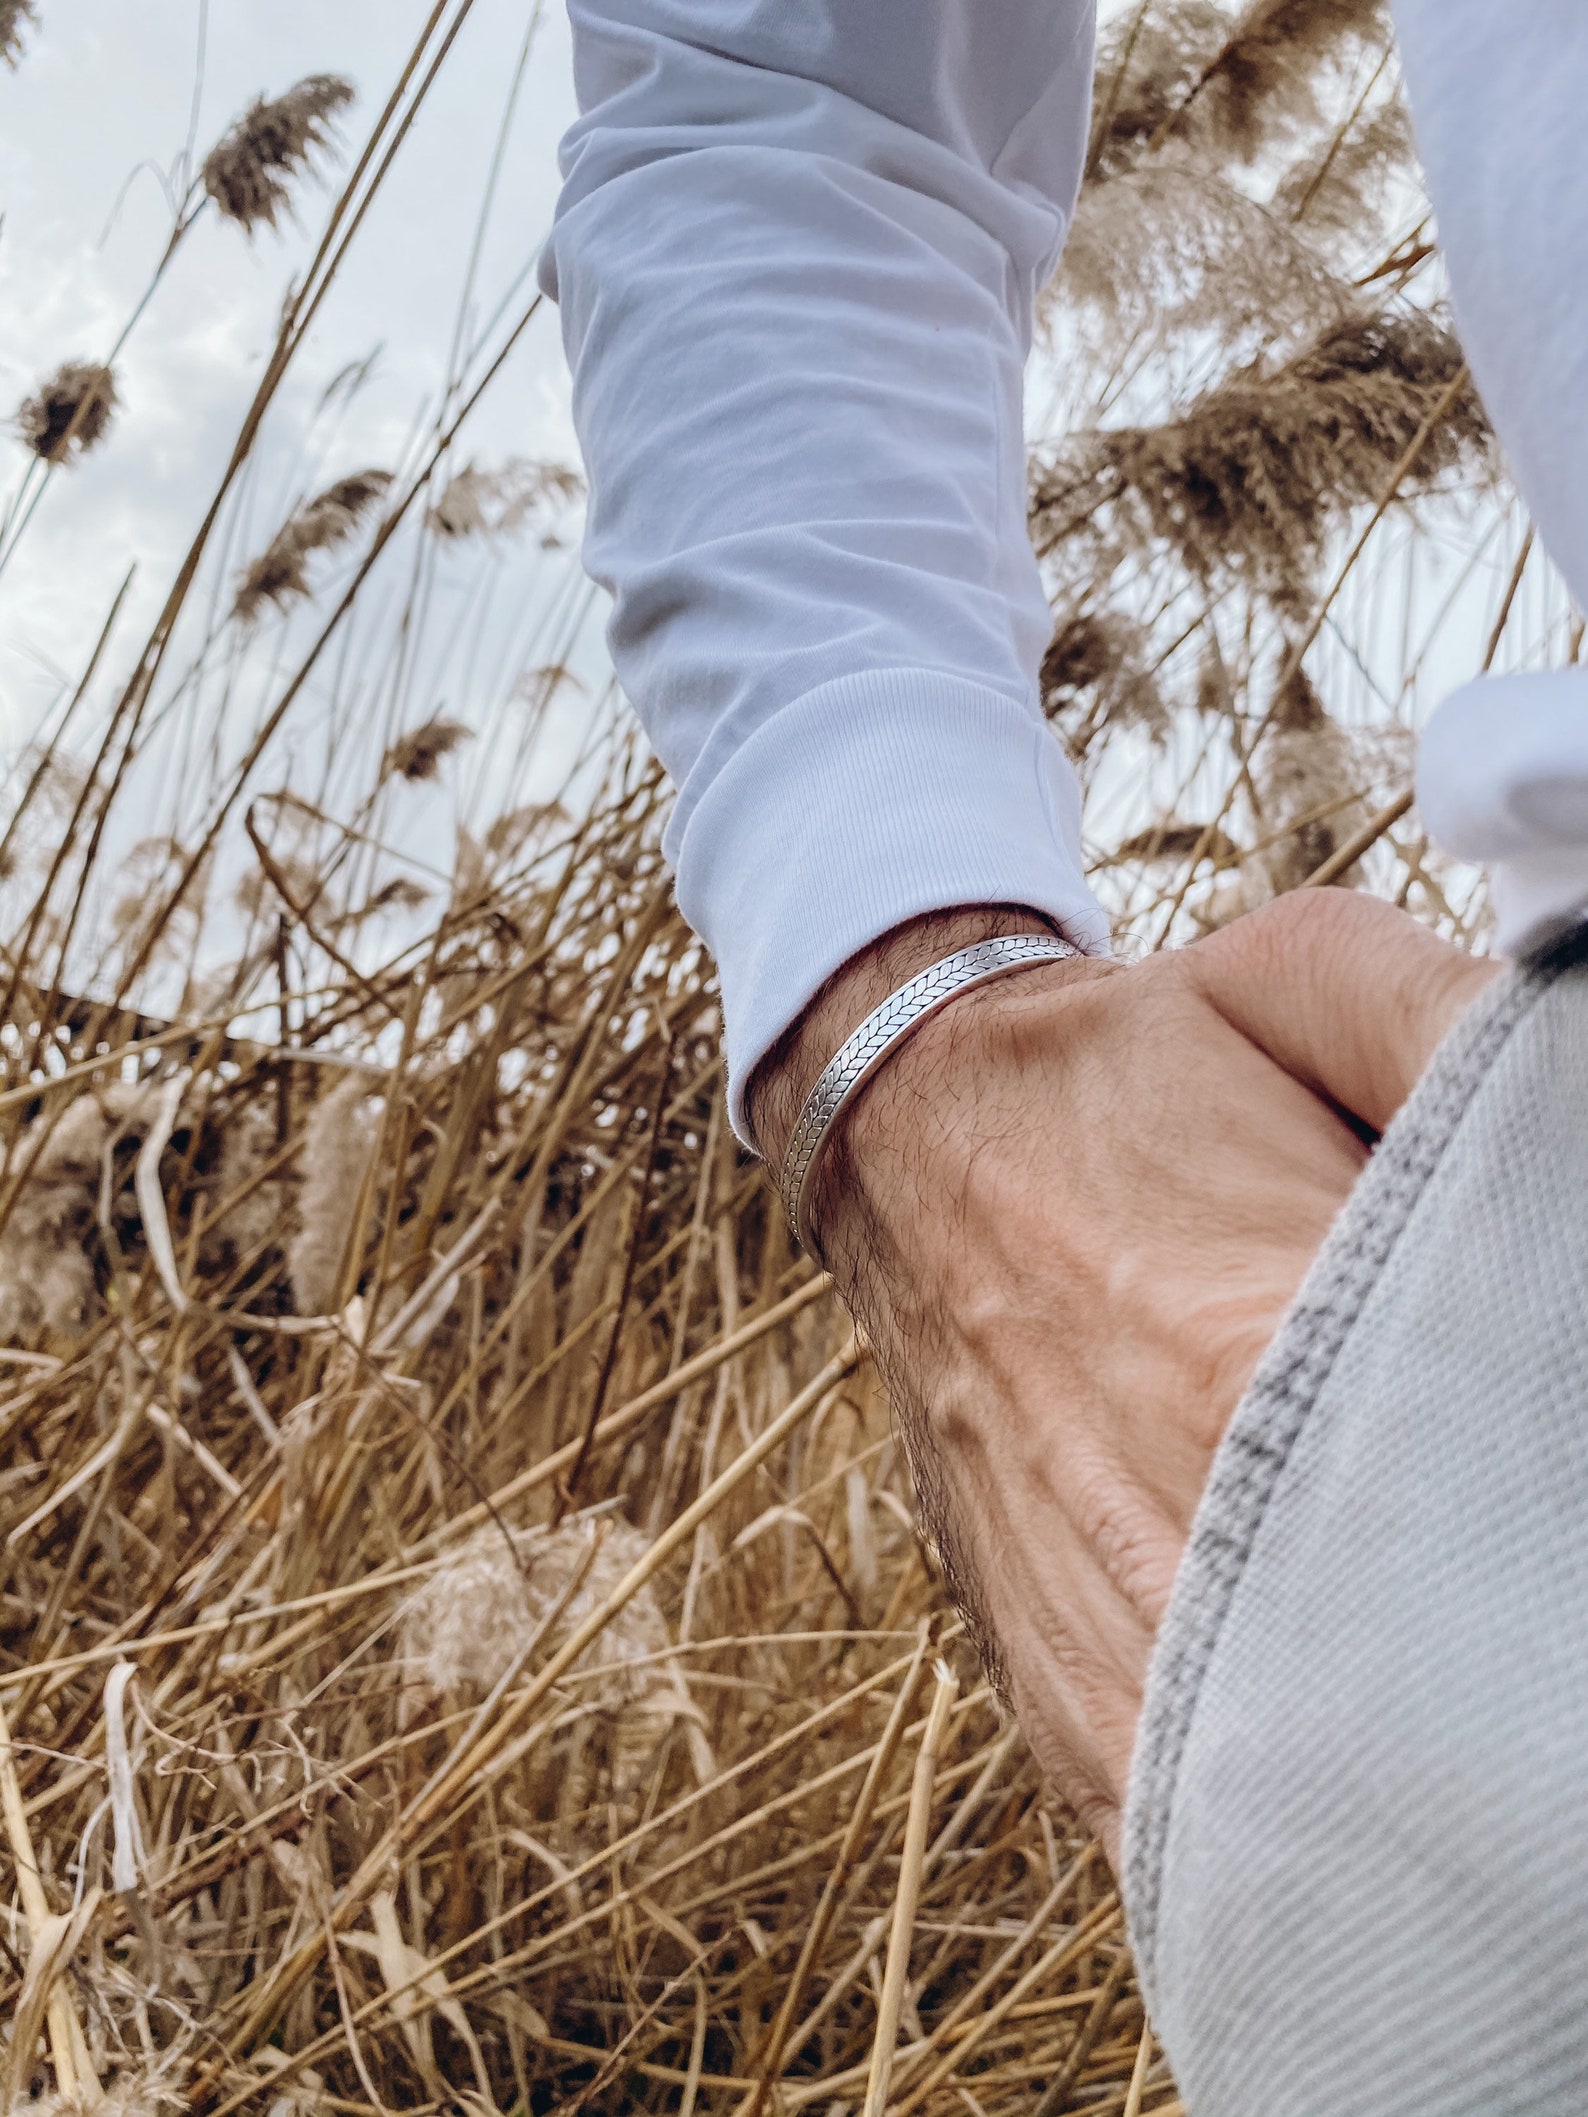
pixel 1349 995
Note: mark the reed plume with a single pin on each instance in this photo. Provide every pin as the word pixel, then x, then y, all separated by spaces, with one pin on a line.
pixel 140 2092
pixel 1265 77
pixel 1309 781
pixel 1231 85
pixel 1338 192
pixel 249 171
pixel 500 1594
pixel 338 1143
pixel 51 1250
pixel 1171 842
pixel 1248 482
pixel 418 754
pixel 479 502
pixel 398 893
pixel 1100 660
pixel 280 575
pixel 70 413
pixel 1239 178
pixel 15 17
pixel 1149 60
pixel 1177 256
pixel 516 829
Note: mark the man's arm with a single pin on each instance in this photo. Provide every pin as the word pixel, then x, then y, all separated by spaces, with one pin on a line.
pixel 797 257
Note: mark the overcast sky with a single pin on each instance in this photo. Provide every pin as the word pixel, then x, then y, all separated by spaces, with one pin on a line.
pixel 99 110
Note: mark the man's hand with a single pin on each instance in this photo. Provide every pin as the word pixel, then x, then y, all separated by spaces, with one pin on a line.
pixel 1070 1213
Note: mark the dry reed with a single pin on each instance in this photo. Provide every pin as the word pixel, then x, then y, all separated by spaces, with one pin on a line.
pixel 70 413
pixel 418 754
pixel 329 1549
pixel 1248 482
pixel 1265 75
pixel 479 502
pixel 280 574
pixel 247 172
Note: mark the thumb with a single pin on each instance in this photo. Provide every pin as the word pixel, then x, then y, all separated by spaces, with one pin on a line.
pixel 1349 995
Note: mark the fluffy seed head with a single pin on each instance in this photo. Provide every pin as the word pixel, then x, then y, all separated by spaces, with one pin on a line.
pixel 70 412
pixel 1148 63
pixel 1233 86
pixel 1305 770
pixel 336 1151
pixel 280 575
pixel 46 1272
pixel 14 14
pixel 500 502
pixel 496 1595
pixel 1247 484
pixel 418 754
pixel 517 828
pixel 1097 674
pixel 146 2093
pixel 245 1213
pixel 246 173
pixel 1173 249
pixel 1266 72
pixel 481 1607
pixel 400 894
pixel 1171 842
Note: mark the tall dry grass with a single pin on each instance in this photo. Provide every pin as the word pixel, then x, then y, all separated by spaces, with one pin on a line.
pixel 463 1642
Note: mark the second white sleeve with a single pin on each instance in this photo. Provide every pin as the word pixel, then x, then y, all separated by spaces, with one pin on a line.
pixel 1498 96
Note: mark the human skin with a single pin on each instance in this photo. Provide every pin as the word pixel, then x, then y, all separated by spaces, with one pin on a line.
pixel 1069 1214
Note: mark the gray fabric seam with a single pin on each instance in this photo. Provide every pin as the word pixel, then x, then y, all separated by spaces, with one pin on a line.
pixel 1272 1415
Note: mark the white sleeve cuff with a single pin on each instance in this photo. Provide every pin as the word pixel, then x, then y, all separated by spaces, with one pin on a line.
pixel 869 801
pixel 1502 779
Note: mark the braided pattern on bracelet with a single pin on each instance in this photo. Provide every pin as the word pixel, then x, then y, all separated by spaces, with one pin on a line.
pixel 881 1033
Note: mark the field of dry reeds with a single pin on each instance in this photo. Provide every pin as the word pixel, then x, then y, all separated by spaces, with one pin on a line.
pixel 463 1641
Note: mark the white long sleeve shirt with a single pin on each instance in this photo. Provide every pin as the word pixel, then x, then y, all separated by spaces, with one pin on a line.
pixel 797 255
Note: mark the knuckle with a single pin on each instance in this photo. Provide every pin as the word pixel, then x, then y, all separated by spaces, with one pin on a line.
pixel 1304 925
pixel 1313 918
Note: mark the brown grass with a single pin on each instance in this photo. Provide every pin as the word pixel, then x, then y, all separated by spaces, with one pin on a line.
pixel 325 1545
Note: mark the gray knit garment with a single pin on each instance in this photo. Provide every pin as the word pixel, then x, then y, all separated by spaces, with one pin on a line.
pixel 1356 1846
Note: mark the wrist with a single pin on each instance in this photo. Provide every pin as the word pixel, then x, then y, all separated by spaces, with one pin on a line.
pixel 791 1069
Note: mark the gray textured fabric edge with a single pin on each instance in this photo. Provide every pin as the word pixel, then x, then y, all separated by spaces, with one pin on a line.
pixel 1261 1446
pixel 1270 1416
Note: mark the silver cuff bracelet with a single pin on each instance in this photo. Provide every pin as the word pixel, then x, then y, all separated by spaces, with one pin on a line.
pixel 881 1033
